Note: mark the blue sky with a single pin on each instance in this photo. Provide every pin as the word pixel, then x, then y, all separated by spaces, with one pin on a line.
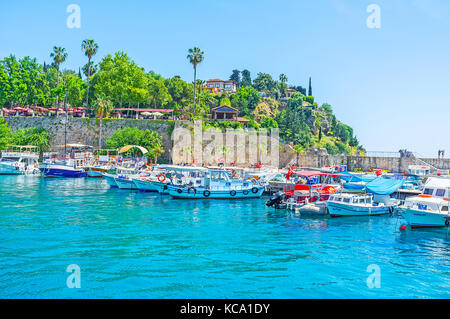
pixel 390 84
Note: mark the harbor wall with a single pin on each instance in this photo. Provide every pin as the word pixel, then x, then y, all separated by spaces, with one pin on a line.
pixel 86 131
pixel 393 164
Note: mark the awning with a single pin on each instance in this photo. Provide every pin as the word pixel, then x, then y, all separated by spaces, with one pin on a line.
pixel 128 147
pixel 383 186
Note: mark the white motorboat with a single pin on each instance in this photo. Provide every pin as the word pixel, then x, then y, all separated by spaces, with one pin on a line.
pixel 217 184
pixel 345 204
pixel 21 162
pixel 431 208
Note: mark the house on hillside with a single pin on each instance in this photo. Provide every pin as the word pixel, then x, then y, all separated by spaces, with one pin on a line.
pixel 227 113
pixel 290 92
pixel 220 86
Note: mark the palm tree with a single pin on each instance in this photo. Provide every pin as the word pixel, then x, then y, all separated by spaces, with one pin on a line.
pixel 89 69
pixel 283 78
pixel 195 57
pixel 156 151
pixel 59 55
pixel 103 108
pixel 90 48
pixel 297 150
pixel 224 151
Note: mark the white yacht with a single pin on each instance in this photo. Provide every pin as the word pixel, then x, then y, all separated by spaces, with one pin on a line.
pixel 23 161
pixel 431 208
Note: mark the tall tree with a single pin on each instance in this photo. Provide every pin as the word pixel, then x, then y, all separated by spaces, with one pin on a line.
pixel 103 107
pixel 195 57
pixel 90 49
pixel 89 69
pixel 310 87
pixel 79 73
pixel 283 78
pixel 59 55
pixel 236 76
pixel 264 82
pixel 246 78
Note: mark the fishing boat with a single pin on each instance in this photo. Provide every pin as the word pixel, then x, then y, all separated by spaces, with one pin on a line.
pixel 376 201
pixel 308 187
pixel 163 175
pixel 345 204
pixel 419 170
pixel 62 168
pixel 217 184
pixel 19 160
pixel 123 179
pixel 127 169
pixel 101 164
pixel 72 163
pixel 431 208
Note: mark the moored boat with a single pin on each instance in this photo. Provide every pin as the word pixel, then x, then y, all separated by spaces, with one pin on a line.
pixel 431 208
pixel 376 201
pixel 64 168
pixel 344 204
pixel 19 162
pixel 217 184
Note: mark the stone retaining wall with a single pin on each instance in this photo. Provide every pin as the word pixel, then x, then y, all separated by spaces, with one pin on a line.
pixel 86 131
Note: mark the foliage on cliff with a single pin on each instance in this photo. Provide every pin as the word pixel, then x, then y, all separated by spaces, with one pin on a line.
pixel 264 101
pixel 151 140
pixel 27 136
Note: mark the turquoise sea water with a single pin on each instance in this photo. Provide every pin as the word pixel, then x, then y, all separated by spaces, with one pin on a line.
pixel 144 245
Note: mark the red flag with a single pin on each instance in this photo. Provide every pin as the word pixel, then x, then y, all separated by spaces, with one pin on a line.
pixel 289 173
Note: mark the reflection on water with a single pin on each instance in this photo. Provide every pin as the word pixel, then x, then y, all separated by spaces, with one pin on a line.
pixel 143 245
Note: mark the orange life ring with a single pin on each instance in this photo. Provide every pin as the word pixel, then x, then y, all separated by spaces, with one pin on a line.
pixel 447 198
pixel 161 177
pixel 425 195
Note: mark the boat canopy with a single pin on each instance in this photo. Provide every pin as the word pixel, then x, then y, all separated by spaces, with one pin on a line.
pixel 317 173
pixel 383 186
pixel 128 147
pixel 179 168
pixel 437 182
pixel 349 177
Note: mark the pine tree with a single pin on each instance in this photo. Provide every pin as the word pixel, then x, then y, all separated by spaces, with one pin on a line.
pixel 44 67
pixel 79 73
pixel 236 76
pixel 310 88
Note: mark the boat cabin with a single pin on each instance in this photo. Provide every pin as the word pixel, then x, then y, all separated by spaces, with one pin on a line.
pixel 425 203
pixel 352 199
pixel 419 170
pixel 437 187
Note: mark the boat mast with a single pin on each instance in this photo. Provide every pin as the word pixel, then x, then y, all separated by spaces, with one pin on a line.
pixel 65 126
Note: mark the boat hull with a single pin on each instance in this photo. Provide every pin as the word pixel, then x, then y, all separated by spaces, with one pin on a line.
pixel 423 219
pixel 61 171
pixel 338 210
pixel 96 172
pixel 9 169
pixel 111 180
pixel 201 193
pixel 144 186
pixel 123 183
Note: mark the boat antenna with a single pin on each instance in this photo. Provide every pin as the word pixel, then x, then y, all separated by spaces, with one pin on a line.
pixel 65 125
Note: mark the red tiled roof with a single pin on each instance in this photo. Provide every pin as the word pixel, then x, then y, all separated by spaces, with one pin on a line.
pixel 145 110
